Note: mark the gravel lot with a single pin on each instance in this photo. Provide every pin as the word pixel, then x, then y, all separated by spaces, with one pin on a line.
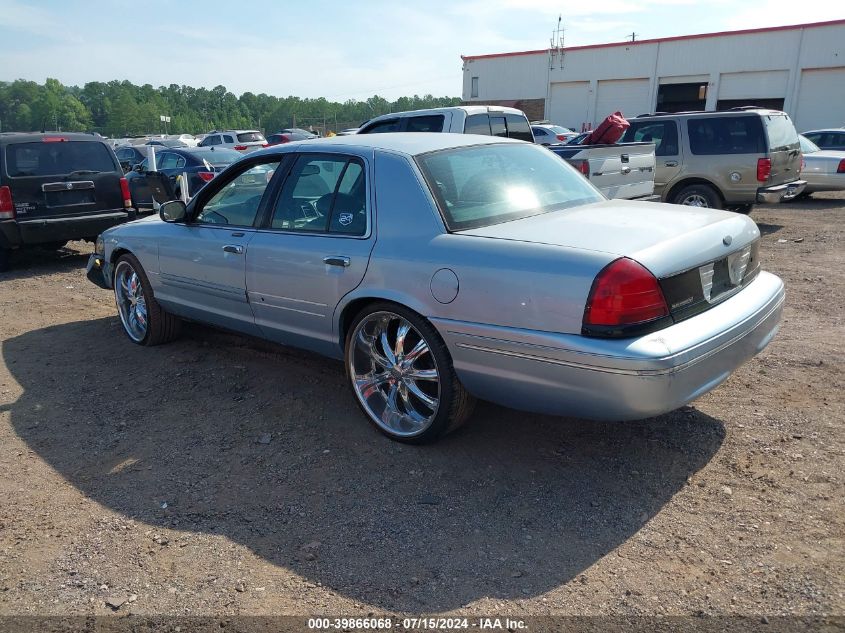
pixel 220 475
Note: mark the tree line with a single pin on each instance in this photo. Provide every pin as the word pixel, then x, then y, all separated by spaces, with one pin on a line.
pixel 122 109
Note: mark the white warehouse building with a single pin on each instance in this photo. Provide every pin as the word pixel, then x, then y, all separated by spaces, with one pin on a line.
pixel 799 69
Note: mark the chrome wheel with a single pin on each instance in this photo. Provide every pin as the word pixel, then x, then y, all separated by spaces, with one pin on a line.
pixel 394 374
pixel 695 200
pixel 131 302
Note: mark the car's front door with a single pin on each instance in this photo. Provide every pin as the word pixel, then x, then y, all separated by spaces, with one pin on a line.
pixel 202 262
pixel 313 249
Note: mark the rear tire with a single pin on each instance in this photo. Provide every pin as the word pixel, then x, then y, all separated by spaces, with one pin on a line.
pixel 698 196
pixel 401 374
pixel 144 320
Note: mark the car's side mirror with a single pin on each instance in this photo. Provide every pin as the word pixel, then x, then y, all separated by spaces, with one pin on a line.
pixel 137 168
pixel 173 211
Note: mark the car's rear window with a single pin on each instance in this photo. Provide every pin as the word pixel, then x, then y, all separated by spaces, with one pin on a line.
pixel 251 137
pixel 726 135
pixel 489 184
pixel 57 158
pixel 782 134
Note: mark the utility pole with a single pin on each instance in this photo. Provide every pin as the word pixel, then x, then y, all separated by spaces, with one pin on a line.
pixel 633 37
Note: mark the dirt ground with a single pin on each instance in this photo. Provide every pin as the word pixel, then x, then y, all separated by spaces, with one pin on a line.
pixel 220 475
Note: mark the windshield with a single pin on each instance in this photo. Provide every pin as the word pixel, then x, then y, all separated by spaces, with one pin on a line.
pixel 807 146
pixel 251 137
pixel 57 158
pixel 489 184
pixel 782 134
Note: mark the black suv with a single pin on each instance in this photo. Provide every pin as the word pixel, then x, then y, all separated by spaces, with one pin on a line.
pixel 56 187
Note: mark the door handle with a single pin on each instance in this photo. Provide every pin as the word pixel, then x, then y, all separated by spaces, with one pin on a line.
pixel 336 260
pixel 237 249
pixel 671 163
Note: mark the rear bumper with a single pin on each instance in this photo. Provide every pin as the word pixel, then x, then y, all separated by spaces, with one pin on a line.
pixel 779 193
pixel 622 379
pixel 59 229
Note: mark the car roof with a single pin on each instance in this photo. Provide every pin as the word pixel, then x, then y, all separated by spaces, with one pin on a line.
pixel 23 137
pixel 469 109
pixel 410 143
pixel 710 113
pixel 825 129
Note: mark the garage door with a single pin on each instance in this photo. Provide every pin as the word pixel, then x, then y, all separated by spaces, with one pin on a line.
pixel 629 96
pixel 757 85
pixel 821 99
pixel 569 102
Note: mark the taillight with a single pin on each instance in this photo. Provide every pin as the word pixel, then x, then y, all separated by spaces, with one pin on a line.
pixel 624 293
pixel 583 166
pixel 265 145
pixel 7 208
pixel 561 137
pixel 841 168
pixel 240 148
pixel 206 176
pixel 803 165
pixel 124 190
pixel 53 139
pixel 764 169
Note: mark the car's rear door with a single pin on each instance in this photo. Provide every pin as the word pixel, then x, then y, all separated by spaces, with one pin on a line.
pixel 784 148
pixel 667 148
pixel 314 248
pixel 56 177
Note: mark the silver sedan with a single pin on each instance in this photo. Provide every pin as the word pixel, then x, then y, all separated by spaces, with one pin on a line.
pixel 443 268
pixel 824 169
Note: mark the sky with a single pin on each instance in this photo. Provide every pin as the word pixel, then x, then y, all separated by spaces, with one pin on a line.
pixel 334 48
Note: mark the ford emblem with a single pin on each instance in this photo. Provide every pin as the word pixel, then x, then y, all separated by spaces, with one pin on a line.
pixel 727 240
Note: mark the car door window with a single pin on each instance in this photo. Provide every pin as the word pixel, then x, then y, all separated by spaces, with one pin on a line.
pixel 323 194
pixel 664 135
pixel 432 123
pixel 228 139
pixel 498 127
pixel 391 125
pixel 477 124
pixel 167 160
pixel 238 201
pixel 211 140
pixel 518 128
pixel 180 162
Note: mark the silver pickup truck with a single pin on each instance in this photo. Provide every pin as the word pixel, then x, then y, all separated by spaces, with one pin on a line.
pixel 622 171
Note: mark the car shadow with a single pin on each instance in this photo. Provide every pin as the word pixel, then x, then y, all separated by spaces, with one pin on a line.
pixel 33 262
pixel 768 229
pixel 265 446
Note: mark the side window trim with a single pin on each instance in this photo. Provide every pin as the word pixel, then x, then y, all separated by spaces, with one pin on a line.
pixel 206 193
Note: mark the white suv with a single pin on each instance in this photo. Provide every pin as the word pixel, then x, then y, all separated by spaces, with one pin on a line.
pixel 242 140
pixel 487 120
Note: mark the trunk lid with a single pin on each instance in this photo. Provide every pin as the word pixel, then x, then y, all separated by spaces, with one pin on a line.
pixel 665 238
pixel 58 178
pixel 784 148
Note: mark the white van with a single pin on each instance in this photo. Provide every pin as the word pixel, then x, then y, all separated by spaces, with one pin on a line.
pixel 475 119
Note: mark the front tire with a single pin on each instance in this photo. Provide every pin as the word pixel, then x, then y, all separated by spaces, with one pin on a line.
pixel 144 320
pixel 698 196
pixel 402 375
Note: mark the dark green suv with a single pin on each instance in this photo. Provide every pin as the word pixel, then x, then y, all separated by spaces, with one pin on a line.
pixel 56 187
